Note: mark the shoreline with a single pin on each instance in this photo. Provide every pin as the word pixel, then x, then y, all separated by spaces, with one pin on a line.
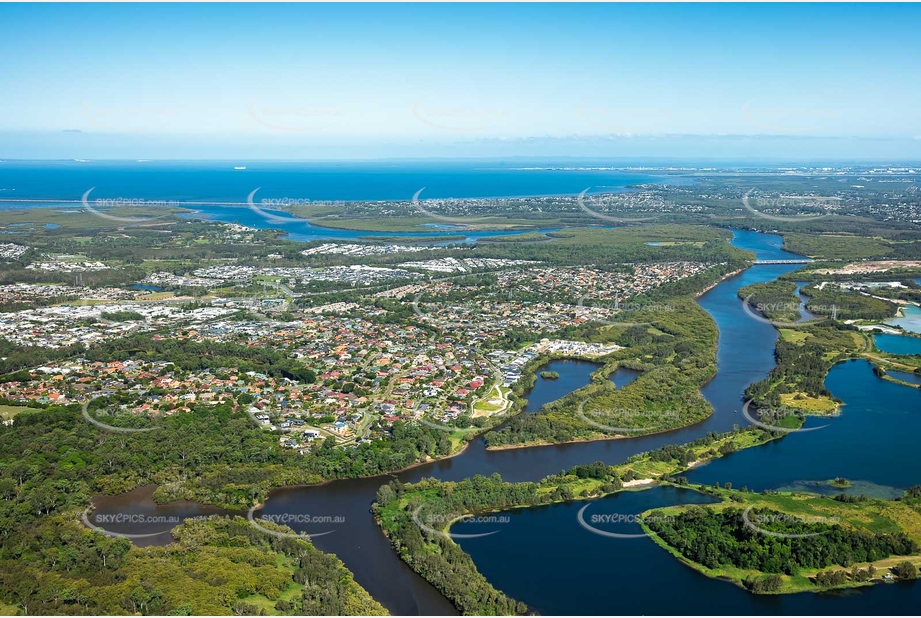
pixel 716 283
pixel 509 447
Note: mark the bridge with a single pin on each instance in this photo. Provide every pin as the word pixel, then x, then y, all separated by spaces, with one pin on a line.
pixel 765 262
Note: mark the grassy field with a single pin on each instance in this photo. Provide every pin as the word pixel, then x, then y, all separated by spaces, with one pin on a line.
pixel 38 218
pixel 877 516
pixel 8 412
pixel 810 405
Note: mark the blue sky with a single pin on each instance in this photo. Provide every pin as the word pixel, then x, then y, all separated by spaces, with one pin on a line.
pixel 175 78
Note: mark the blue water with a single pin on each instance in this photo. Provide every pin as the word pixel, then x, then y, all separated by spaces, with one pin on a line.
pixel 544 557
pixel 596 580
pixel 301 230
pixel 623 376
pixel 869 441
pixel 912 320
pixel 574 374
pixel 897 344
pixel 218 192
pixel 804 313
pixel 911 378
pixel 210 181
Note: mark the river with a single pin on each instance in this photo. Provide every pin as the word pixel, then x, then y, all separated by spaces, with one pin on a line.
pixel 745 355
pixel 582 575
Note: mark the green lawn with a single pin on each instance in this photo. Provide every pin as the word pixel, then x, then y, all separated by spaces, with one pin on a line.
pixel 8 412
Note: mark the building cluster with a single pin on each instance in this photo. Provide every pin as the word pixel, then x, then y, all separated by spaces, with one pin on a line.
pixel 358 250
pixel 169 280
pixel 11 251
pixel 67 264
pixel 354 275
pixel 589 283
pixel 512 362
pixel 30 292
pixel 463 265
pixel 66 325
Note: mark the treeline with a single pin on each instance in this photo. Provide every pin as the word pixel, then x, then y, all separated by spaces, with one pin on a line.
pixel 437 558
pixel 676 350
pixel 213 568
pixel 802 367
pixel 195 356
pixel 52 462
pixel 775 300
pixel 721 538
pixel 847 305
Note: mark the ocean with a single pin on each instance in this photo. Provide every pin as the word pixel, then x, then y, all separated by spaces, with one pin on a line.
pixel 219 181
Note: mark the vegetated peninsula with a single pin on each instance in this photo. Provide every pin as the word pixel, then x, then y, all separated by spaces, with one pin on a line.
pixel 400 508
pixel 671 339
pixel 784 543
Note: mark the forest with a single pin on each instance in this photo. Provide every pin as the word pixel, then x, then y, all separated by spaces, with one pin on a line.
pixel 720 538
pixel 675 350
pixel 219 566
